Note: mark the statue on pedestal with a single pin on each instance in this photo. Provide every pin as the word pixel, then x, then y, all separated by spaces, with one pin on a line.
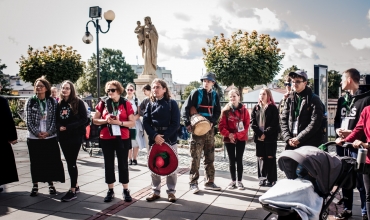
pixel 148 41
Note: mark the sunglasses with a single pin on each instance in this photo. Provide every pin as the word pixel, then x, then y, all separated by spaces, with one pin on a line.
pixel 288 84
pixel 129 90
pixel 111 90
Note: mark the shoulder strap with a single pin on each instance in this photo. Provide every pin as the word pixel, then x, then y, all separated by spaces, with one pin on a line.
pixel 214 98
pixel 200 96
pixel 136 102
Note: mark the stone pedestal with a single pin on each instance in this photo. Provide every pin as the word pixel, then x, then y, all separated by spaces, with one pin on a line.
pixel 140 82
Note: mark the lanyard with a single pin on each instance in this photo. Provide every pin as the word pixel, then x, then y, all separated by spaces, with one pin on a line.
pixel 115 108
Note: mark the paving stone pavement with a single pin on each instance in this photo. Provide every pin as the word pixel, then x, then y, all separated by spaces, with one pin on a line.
pixel 15 202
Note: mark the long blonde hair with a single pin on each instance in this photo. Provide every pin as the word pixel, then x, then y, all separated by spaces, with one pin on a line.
pixel 226 109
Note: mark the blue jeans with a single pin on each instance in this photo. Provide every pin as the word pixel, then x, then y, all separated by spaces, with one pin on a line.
pixel 360 183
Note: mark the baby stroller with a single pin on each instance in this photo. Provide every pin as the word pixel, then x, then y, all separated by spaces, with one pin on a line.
pixel 90 142
pixel 325 172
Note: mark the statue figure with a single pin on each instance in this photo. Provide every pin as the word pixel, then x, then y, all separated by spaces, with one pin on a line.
pixel 148 44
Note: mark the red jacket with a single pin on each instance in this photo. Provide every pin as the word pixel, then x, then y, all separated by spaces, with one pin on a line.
pixel 362 128
pixel 229 122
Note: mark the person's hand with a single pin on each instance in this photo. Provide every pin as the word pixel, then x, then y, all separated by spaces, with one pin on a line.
pixel 62 128
pixel 188 128
pixel 295 141
pixel 339 141
pixel 263 137
pixel 357 143
pixel 113 121
pixel 345 133
pixel 159 139
pixel 291 143
pixel 339 131
pixel 232 138
pixel 13 142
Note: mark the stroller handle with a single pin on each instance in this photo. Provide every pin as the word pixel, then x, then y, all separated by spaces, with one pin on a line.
pixel 345 144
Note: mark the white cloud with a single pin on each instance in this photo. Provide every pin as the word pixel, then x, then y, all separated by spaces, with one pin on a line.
pixel 360 44
pixel 368 15
pixel 306 36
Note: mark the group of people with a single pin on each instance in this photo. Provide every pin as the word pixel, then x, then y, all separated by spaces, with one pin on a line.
pixel 298 119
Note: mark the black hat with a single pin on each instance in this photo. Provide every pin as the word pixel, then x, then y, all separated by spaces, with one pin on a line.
pixel 299 73
pixel 209 76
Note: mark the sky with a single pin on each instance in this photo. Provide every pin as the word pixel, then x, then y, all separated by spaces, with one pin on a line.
pixel 335 33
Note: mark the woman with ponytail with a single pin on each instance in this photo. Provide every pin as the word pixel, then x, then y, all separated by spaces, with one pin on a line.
pixel 265 124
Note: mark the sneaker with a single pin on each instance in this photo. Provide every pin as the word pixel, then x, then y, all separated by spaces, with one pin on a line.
pixel 126 195
pixel 270 184
pixel 262 182
pixel 344 215
pixel 232 185
pixel 152 197
pixel 171 197
pixel 194 188
pixel 69 196
pixel 34 191
pixel 77 190
pixel 134 162
pixel 240 186
pixel 364 217
pixel 211 186
pixel 110 196
pixel 52 190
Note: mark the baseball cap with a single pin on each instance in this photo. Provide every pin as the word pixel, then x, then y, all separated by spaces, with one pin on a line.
pixel 299 73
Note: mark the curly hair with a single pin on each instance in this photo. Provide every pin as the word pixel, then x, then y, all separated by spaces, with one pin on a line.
pixel 117 84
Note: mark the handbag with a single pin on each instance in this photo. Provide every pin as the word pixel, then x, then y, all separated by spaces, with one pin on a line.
pixel 132 133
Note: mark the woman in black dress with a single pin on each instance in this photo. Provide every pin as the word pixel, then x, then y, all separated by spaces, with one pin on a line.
pixel 265 124
pixel 71 123
pixel 46 163
pixel 8 136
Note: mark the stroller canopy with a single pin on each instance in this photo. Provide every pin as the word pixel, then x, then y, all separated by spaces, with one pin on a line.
pixel 320 165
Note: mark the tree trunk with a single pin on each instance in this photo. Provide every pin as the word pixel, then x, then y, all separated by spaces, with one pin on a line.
pixel 241 93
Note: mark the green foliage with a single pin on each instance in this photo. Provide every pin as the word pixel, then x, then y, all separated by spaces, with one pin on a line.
pixel 57 63
pixel 334 80
pixel 112 67
pixel 286 73
pixel 6 90
pixel 192 85
pixel 245 59
pixel 14 107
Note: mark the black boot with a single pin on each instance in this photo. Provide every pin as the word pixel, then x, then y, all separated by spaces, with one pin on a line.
pixel 126 195
pixel 110 196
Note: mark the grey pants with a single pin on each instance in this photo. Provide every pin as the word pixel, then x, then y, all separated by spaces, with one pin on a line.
pixel 171 181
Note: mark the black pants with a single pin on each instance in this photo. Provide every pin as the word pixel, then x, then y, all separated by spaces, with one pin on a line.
pixel 121 148
pixel 235 152
pixel 367 189
pixel 267 168
pixel 71 145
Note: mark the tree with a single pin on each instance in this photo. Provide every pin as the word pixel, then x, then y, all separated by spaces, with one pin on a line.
pixel 112 67
pixel 4 83
pixel 286 72
pixel 245 59
pixel 192 85
pixel 334 80
pixel 57 63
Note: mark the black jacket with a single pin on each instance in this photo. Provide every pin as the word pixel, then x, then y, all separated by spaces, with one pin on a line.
pixel 271 128
pixel 74 123
pixel 206 100
pixel 7 128
pixel 159 114
pixel 361 99
pixel 309 119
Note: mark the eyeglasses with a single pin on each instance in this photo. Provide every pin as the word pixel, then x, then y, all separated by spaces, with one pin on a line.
pixel 129 90
pixel 288 84
pixel 40 86
pixel 156 87
pixel 111 90
pixel 298 82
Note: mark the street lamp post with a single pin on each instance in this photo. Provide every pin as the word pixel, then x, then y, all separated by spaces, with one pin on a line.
pixel 95 13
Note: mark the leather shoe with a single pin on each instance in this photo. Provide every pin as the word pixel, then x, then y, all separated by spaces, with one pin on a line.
pixel 152 197
pixel 171 197
pixel 262 182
